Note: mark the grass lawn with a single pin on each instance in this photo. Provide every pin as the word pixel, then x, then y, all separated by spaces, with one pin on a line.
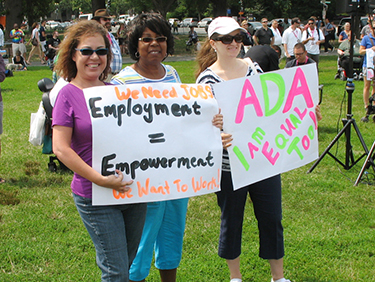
pixel 329 224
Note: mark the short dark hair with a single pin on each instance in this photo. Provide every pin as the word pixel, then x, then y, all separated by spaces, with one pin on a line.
pixel 300 45
pixel 295 20
pixel 156 23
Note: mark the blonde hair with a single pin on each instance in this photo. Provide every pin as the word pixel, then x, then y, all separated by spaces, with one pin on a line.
pixel 205 57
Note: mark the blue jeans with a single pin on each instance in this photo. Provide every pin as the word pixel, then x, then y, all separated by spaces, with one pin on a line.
pixel 115 231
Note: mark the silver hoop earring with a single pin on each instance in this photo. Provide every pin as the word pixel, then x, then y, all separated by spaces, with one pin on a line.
pixel 136 54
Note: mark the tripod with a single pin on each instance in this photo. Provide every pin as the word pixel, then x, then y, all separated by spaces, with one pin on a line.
pixel 348 122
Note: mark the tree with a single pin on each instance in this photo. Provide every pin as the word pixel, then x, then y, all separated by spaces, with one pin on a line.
pixel 163 6
pixel 33 10
pixel 97 4
pixel 219 7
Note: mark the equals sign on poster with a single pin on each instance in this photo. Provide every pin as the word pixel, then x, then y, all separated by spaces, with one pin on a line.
pixel 156 138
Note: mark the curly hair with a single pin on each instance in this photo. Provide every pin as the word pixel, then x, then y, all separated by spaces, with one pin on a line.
pixel 65 66
pixel 156 23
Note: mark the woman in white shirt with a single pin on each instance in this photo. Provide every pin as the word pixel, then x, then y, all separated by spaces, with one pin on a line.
pixel 35 48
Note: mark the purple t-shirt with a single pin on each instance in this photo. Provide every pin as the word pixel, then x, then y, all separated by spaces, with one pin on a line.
pixel 70 110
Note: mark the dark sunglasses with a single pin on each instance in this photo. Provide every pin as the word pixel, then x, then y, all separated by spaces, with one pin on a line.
pixel 228 39
pixel 89 52
pixel 159 39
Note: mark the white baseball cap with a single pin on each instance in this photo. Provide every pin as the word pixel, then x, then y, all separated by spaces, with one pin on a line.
pixel 223 25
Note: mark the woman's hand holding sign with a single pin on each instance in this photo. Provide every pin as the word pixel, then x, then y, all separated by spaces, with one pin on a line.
pixel 226 139
pixel 116 182
pixel 218 120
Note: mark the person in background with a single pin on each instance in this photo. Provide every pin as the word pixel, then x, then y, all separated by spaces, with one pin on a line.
pixel 291 37
pixel 264 35
pixel 175 27
pixel 277 37
pixel 122 34
pixel 43 36
pixel 344 57
pixel 17 36
pixel 35 48
pixel 218 62
pixel 312 38
pixel 247 39
pixel 102 16
pixel 22 45
pixel 345 34
pixel 150 42
pixel 301 57
pixel 266 56
pixel 368 42
pixel 2 77
pixel 366 30
pixel 115 230
pixel 1 36
pixel 329 30
pixel 53 44
pixel 18 62
pixel 285 25
pixel 193 38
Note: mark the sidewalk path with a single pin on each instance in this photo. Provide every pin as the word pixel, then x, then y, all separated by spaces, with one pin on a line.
pixel 179 58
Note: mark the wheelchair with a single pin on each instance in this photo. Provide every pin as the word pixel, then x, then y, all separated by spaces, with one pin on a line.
pixel 343 64
pixel 45 85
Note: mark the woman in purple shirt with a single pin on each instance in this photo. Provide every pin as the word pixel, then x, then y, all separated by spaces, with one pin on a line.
pixel 84 61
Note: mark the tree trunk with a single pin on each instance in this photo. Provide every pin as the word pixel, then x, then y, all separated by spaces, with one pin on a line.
pixel 97 4
pixel 13 8
pixel 219 7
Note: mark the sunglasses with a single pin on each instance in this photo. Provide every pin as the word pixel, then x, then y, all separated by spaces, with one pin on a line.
pixel 160 39
pixel 228 39
pixel 89 52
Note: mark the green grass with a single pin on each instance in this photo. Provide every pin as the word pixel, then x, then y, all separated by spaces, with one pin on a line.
pixel 329 224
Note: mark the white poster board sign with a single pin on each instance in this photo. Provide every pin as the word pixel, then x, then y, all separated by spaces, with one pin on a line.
pixel 272 119
pixel 159 135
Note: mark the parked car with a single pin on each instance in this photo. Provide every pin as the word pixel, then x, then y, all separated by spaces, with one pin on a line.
pixel 171 21
pixel 343 21
pixel 123 18
pixel 278 20
pixel 52 25
pixel 254 26
pixel 189 22
pixel 65 24
pixel 85 16
pixel 204 22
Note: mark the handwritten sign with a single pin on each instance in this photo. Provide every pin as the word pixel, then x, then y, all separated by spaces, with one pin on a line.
pixel 272 119
pixel 370 63
pixel 159 135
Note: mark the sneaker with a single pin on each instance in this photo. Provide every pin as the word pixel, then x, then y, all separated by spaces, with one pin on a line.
pixel 236 280
pixel 337 75
pixel 281 280
pixel 364 119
